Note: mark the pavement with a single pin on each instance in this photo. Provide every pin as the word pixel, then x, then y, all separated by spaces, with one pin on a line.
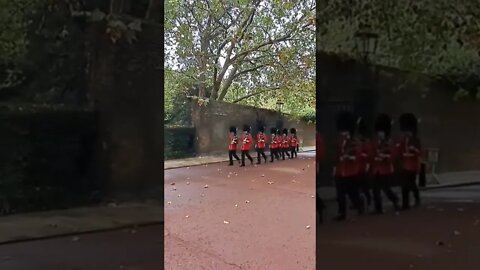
pixel 442 234
pixel 226 217
pixel 210 159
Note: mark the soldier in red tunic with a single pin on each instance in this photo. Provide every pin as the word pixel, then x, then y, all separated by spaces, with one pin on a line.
pixel 232 145
pixel 409 150
pixel 273 144
pixel 382 163
pixel 346 169
pixel 293 143
pixel 260 145
pixel 247 140
pixel 285 144
pixel 364 164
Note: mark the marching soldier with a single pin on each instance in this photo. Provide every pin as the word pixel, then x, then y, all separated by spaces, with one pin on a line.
pixel 409 149
pixel 293 142
pixel 246 145
pixel 273 144
pixel 232 146
pixel 285 144
pixel 364 164
pixel 260 145
pixel 346 168
pixel 382 163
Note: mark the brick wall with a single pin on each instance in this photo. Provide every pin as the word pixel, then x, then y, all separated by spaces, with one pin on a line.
pixel 212 124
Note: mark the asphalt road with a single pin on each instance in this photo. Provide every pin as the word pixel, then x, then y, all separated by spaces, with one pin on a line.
pixel 247 218
pixel 443 234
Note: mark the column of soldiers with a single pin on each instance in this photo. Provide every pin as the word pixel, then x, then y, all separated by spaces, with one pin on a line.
pixel 366 167
pixel 281 145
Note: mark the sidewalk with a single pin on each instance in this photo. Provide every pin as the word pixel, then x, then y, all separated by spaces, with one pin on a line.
pixel 446 180
pixel 196 161
pixel 33 226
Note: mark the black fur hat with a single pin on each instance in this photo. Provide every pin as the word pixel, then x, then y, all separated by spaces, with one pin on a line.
pixel 273 131
pixel 293 131
pixel 233 129
pixel 346 122
pixel 361 125
pixel 261 129
pixel 285 131
pixel 278 132
pixel 246 128
pixel 408 122
pixel 384 123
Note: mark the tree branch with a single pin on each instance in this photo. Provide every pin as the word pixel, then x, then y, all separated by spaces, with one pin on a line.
pixel 240 73
pixel 256 93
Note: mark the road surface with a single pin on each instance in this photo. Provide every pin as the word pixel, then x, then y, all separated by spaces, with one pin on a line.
pixel 443 234
pixel 247 218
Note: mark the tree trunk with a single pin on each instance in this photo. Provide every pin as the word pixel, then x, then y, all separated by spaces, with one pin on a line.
pixel 202 76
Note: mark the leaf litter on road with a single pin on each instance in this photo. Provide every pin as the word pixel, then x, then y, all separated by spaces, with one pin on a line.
pixel 226 222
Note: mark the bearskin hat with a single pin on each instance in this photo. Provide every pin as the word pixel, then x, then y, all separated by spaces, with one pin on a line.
pixel 346 122
pixel 273 131
pixel 362 128
pixel 383 123
pixel 278 132
pixel 293 131
pixel 246 128
pixel 233 129
pixel 261 129
pixel 408 122
pixel 285 131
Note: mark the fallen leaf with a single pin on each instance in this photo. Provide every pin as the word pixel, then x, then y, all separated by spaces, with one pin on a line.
pixel 226 222
pixel 236 205
pixel 247 201
pixel 188 183
pixel 179 195
pixel 174 188
pixel 270 182
pixel 206 186
pixel 263 175
pixel 169 202
pixel 173 183
pixel 308 227
pixel 313 196
pixel 186 216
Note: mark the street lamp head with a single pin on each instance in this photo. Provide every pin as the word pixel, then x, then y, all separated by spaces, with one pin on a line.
pixel 366 43
pixel 279 105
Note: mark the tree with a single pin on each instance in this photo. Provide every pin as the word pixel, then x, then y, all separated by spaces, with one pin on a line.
pixel 437 37
pixel 259 45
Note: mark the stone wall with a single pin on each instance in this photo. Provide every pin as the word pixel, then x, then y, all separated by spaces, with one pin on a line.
pixel 452 126
pixel 212 122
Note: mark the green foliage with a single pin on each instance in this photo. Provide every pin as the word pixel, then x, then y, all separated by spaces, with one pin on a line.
pixel 228 45
pixel 437 37
pixel 179 142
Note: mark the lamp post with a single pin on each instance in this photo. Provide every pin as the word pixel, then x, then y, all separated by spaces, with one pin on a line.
pixel 366 44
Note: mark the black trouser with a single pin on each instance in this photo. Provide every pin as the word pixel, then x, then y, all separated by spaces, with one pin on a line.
pixel 409 184
pixel 365 187
pixel 383 183
pixel 233 154
pixel 293 151
pixel 348 186
pixel 261 152
pixel 274 154
pixel 246 153
pixel 285 152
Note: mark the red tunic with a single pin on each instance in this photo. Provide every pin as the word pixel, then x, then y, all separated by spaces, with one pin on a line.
pixel 293 141
pixel 365 154
pixel 232 142
pixel 382 159
pixel 347 160
pixel 285 142
pixel 409 151
pixel 246 142
pixel 273 142
pixel 261 140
